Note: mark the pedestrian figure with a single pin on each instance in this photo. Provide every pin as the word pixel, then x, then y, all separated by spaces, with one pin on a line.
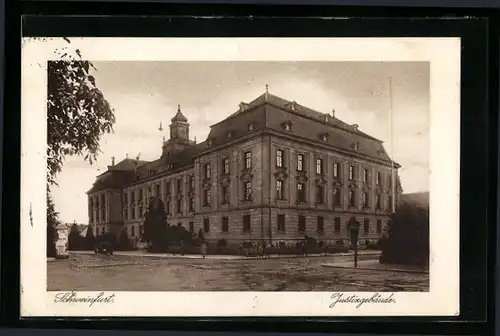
pixel 182 247
pixel 203 249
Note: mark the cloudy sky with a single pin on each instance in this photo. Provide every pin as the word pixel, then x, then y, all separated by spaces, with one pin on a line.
pixel 144 94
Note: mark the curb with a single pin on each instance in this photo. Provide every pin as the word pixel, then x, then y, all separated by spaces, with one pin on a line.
pixel 376 269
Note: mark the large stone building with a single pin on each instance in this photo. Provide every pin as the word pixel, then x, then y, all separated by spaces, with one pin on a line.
pixel 273 170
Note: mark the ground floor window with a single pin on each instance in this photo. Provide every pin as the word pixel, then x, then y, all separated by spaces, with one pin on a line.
pixel 246 223
pixel 281 223
pixel 225 224
pixel 302 223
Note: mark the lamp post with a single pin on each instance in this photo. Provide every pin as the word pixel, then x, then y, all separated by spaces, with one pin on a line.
pixel 353 226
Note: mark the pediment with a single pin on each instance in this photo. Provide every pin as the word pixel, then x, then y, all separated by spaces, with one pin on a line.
pixel 302 178
pixel 320 181
pixel 246 175
pixel 352 185
pixel 225 180
pixel 206 184
pixel 337 183
pixel 281 175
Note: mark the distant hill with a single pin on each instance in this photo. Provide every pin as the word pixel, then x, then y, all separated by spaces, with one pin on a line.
pixel 420 199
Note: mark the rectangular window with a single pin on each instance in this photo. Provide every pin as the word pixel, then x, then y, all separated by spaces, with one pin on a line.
pixel 157 190
pixel 191 204
pixel 319 166
pixel 179 206
pixel 390 202
pixel 378 201
pixel 365 175
pixel 379 226
pixel 191 182
pixel 279 190
pixel 168 188
pixel 246 223
pixel 132 231
pixel 352 198
pixel 301 192
pixel 206 197
pixel 179 186
pixel 248 191
pixel 337 225
pixel 248 160
pixel 225 224
pixel 141 212
pixel 281 223
pixel 125 199
pixel 335 170
pixel 206 225
pixel 279 158
pixel 351 173
pixel 191 227
pixel 125 213
pixel 207 171
pixel 225 166
pixel 132 197
pixel 321 225
pixel 141 195
pixel 302 223
pixel 132 212
pixel 167 207
pixel 225 194
pixel 300 162
pixel 320 195
pixel 379 178
pixel 336 197
pixel 366 224
pixel 366 200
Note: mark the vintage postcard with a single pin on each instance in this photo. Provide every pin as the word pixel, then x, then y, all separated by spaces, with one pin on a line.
pixel 240 177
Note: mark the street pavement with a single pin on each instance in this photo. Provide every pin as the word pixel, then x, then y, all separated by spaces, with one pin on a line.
pixel 146 273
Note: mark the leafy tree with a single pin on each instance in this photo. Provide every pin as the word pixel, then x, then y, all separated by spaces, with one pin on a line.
pixel 155 220
pixel 75 240
pixel 52 222
pixel 89 238
pixel 77 114
pixel 407 241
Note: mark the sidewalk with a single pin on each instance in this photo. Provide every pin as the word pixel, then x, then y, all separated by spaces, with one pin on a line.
pixel 375 265
pixel 222 257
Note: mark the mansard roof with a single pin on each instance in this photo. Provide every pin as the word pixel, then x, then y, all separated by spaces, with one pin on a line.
pixel 272 113
pixel 266 112
pixel 128 171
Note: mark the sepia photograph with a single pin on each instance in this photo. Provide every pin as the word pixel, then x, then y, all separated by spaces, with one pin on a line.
pixel 216 174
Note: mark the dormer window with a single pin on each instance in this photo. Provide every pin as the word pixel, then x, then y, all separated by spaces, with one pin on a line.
pixel 287 126
pixel 229 134
pixel 250 127
pixel 326 118
pixel 323 137
pixel 209 142
pixel 243 106
pixel 355 145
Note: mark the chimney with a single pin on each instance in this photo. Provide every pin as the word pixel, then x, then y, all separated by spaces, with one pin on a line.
pixel 333 113
pixel 355 127
pixel 112 161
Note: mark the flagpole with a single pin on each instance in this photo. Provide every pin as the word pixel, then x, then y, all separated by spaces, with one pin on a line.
pixel 393 171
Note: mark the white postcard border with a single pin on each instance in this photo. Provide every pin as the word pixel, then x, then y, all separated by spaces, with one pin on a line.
pixel 444 57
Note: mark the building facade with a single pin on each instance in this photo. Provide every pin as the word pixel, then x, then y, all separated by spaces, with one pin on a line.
pixel 273 171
